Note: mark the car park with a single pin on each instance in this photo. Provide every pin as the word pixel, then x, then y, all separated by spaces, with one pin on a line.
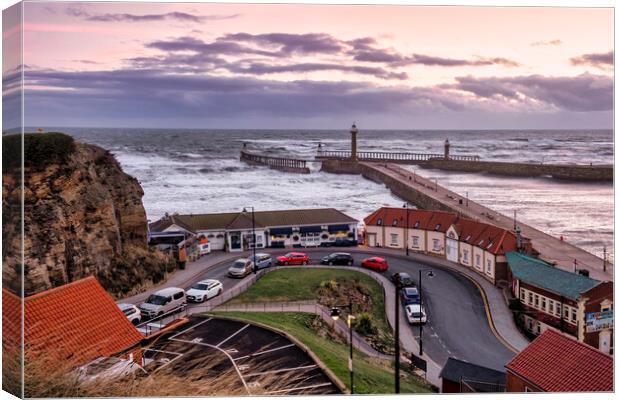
pixel 204 290
pixel 410 295
pixel 132 312
pixel 375 263
pixel 338 259
pixel 415 314
pixel 163 301
pixel 402 279
pixel 263 260
pixel 242 267
pixel 294 258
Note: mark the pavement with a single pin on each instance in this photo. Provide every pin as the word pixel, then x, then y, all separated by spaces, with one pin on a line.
pixel 468 318
pixel 551 249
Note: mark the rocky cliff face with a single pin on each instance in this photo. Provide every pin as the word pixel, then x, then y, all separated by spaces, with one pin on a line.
pixel 82 216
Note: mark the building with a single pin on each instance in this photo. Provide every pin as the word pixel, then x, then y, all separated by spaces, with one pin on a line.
pixel 73 323
pixel 233 231
pixel 473 244
pixel 555 362
pixel 553 298
pixel 459 376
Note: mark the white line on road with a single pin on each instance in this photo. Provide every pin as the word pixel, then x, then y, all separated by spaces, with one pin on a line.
pixel 231 336
pixel 190 328
pixel 266 351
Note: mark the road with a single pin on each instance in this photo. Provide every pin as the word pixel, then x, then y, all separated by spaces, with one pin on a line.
pixel 457 323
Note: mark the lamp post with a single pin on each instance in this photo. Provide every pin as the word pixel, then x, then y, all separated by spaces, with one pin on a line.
pixel 406 206
pixel 254 268
pixel 430 275
pixel 335 314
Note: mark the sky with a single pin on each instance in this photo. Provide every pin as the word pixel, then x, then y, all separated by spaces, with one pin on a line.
pixel 158 65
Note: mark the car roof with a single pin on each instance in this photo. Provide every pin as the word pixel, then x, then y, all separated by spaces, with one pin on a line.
pixel 262 254
pixel 376 258
pixel 297 253
pixel 411 289
pixel 209 281
pixel 244 260
pixel 124 306
pixel 414 307
pixel 404 274
pixel 168 291
pixel 340 254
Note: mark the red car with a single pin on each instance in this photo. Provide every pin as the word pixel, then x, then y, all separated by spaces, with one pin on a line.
pixel 375 263
pixel 293 258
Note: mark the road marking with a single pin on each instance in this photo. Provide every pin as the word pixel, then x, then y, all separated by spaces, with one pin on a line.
pixel 275 371
pixel 266 351
pixel 189 329
pixel 231 336
pixel 299 388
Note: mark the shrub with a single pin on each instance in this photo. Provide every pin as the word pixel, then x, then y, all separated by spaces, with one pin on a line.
pixel 40 149
pixel 365 325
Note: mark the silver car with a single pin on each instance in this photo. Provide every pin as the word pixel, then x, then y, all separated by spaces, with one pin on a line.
pixel 241 268
pixel 263 260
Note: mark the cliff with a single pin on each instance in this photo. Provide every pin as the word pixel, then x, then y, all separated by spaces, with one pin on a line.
pixel 82 216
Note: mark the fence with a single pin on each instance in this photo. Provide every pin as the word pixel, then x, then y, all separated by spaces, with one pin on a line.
pixel 275 162
pixel 386 156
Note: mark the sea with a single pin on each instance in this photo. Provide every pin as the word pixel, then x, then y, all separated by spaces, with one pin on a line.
pixel 198 171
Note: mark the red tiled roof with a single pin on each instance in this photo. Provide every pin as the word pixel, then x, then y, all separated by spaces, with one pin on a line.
pixel 78 320
pixel 481 234
pixel 558 363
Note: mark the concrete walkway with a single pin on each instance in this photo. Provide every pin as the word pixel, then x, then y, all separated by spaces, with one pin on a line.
pixel 551 249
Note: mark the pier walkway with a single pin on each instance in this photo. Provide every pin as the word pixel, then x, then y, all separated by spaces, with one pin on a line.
pixel 551 249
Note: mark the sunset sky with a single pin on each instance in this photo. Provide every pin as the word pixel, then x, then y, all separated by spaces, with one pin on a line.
pixel 314 67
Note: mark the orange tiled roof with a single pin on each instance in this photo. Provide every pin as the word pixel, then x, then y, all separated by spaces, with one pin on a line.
pixel 556 362
pixel 78 320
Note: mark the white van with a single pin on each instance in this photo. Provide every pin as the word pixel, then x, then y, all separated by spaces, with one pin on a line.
pixel 162 301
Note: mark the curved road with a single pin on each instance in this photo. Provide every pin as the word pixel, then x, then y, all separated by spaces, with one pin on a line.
pixel 457 323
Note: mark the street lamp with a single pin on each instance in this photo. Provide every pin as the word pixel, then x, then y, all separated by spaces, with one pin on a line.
pixel 430 274
pixel 406 206
pixel 254 267
pixel 335 314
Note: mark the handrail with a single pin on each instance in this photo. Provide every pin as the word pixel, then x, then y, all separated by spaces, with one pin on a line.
pixel 281 162
pixel 388 156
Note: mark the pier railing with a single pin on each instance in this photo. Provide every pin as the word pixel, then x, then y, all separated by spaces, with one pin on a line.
pixel 282 163
pixel 386 156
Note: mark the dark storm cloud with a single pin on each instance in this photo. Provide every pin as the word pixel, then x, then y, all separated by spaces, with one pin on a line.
pixel 126 17
pixel 599 60
pixel 581 93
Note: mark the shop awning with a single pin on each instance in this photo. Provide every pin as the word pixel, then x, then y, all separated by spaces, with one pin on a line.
pixel 280 231
pixel 338 228
pixel 309 229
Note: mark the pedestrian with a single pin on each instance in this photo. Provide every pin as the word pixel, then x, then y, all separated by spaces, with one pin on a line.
pixel 561 238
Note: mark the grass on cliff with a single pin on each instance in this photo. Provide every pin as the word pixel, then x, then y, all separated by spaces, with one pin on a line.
pixel 371 375
pixel 40 149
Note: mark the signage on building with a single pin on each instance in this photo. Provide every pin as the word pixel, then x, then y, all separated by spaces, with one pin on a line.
pixel 597 321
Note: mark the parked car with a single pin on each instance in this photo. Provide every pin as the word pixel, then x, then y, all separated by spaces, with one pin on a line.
pixel 131 312
pixel 204 290
pixel 375 263
pixel 241 268
pixel 163 301
pixel 344 242
pixel 293 258
pixel 402 279
pixel 416 314
pixel 338 259
pixel 263 260
pixel 410 295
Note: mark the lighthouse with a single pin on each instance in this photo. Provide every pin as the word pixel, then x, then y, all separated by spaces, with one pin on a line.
pixel 353 142
pixel 446 150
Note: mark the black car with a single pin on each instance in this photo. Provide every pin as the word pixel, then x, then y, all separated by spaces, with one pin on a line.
pixel 344 242
pixel 338 259
pixel 410 295
pixel 402 279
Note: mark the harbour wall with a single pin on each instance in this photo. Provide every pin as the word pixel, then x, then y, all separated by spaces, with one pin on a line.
pixel 566 172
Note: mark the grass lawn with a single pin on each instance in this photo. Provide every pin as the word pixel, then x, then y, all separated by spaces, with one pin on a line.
pixel 300 284
pixel 371 375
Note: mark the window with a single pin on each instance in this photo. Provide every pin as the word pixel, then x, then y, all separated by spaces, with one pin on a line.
pixel 522 294
pixel 543 303
pixel 538 328
pixel 435 244
pixel 550 307
pixel 529 324
pixel 573 315
pixel 379 221
pixel 557 309
pixel 566 313
pixel 530 298
pixel 395 222
pixel 394 239
pixel 489 266
pixel 417 224
pixel 415 241
pixel 536 299
pixel 478 259
pixel 437 227
pixel 466 255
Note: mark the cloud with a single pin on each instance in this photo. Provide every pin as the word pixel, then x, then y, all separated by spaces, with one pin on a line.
pixel 126 17
pixel 287 43
pixel 598 60
pixel 223 47
pixel 582 93
pixel 554 42
pixel 262 68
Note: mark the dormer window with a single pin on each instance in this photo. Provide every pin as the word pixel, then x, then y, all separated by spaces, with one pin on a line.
pixel 379 221
pixel 437 227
